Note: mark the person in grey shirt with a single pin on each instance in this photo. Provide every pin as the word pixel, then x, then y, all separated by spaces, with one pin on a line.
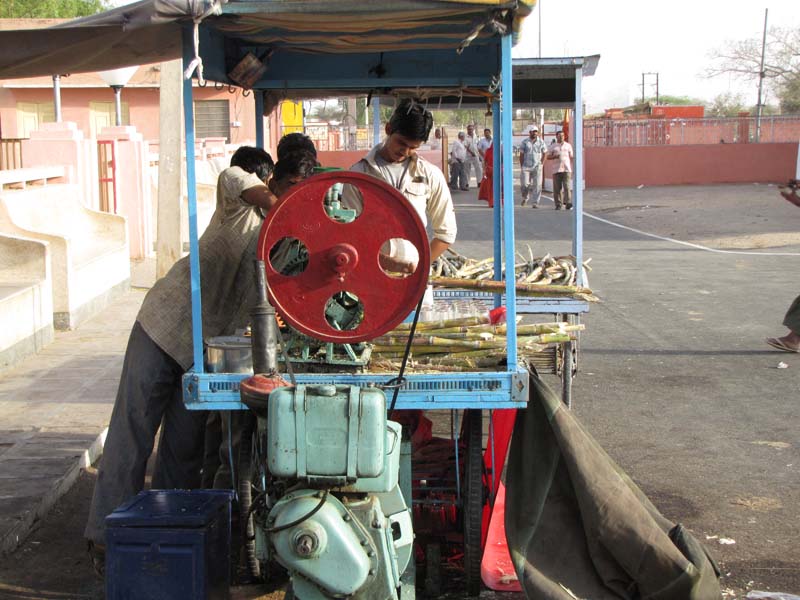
pixel 159 350
pixel 531 159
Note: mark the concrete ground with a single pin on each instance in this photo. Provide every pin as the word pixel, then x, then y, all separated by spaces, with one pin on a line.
pixel 674 381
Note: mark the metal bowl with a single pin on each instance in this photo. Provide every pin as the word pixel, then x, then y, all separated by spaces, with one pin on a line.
pixel 229 354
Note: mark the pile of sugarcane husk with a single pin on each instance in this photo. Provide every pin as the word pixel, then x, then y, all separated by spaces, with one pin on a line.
pixel 463 344
pixel 535 276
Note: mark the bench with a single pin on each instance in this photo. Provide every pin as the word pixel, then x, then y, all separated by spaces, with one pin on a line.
pixel 88 249
pixel 26 298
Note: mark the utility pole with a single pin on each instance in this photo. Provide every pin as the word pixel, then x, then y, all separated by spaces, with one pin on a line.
pixel 540 28
pixel 761 78
pixel 644 85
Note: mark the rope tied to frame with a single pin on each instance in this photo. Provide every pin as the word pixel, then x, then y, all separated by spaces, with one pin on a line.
pixel 197 62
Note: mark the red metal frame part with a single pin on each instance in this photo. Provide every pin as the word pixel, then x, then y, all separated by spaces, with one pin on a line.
pixel 344 257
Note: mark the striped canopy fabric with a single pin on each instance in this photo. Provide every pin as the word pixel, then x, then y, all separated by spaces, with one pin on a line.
pixel 360 26
pixel 150 30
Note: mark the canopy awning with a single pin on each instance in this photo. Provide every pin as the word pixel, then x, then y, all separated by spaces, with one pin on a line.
pixel 151 30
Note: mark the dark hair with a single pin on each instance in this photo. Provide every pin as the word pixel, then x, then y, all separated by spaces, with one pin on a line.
pixel 296 163
pixel 410 119
pixel 253 160
pixel 295 141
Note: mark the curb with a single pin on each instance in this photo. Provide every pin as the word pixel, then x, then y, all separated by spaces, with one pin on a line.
pixel 17 534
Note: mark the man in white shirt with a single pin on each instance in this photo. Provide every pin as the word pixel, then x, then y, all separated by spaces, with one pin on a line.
pixel 561 151
pixel 458 158
pixel 473 162
pixel 531 159
pixel 483 144
pixel 396 162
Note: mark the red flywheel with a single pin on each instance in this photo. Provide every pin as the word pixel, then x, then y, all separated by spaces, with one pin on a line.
pixel 343 257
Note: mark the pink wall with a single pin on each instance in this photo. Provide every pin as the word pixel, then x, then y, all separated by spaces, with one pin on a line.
pixel 700 164
pixel 142 103
pixel 344 160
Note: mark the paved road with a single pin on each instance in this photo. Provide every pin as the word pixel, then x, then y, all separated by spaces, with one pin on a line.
pixel 675 381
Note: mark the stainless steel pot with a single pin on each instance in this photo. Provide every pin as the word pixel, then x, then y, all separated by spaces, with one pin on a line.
pixel 229 354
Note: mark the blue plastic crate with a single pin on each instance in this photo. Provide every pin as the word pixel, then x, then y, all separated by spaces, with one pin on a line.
pixel 170 545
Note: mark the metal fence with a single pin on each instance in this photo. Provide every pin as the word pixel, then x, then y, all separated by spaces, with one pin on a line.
pixel 330 137
pixel 661 132
pixel 10 153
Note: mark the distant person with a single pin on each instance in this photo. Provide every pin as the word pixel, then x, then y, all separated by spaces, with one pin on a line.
pixel 791 341
pixel 562 151
pixel 436 142
pixel 531 167
pixel 458 158
pixel 486 189
pixel 473 162
pixel 484 143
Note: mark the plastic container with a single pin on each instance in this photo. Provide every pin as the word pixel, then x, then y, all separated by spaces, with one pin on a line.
pixel 170 545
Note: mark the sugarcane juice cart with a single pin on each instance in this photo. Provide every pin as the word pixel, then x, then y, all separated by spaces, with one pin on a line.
pixel 329 482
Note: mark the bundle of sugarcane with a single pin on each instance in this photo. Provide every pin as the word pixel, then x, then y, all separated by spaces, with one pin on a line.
pixel 544 270
pixel 466 343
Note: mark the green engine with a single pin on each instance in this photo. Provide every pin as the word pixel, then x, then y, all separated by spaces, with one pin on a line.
pixel 338 521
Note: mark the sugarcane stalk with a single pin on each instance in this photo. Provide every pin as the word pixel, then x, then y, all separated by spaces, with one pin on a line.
pixel 441 324
pixel 500 286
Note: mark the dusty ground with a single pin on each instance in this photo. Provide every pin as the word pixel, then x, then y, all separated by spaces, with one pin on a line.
pixel 722 216
pixel 675 381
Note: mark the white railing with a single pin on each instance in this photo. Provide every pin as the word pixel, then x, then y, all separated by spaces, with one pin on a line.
pixel 22 178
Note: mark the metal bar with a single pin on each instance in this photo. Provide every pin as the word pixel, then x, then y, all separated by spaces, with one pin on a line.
pixel 506 115
pixel 491 442
pixel 577 181
pixel 376 120
pixel 458 470
pixel 360 84
pixel 117 104
pixel 258 95
pixel 497 194
pixel 57 97
pixel 191 185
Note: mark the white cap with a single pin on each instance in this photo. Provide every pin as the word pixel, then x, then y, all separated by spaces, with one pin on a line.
pixel 532 128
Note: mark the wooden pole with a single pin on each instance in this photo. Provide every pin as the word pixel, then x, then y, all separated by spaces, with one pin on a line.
pixel 168 227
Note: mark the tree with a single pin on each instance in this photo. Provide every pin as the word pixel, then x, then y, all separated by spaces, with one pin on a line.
pixel 742 59
pixel 727 104
pixel 51 9
pixel 330 110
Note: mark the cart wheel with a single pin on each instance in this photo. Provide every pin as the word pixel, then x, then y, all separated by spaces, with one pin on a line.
pixel 472 498
pixel 247 476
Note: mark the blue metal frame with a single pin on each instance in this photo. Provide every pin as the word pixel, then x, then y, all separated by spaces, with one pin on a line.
pixel 191 184
pixel 259 98
pixel 497 195
pixel 502 389
pixel 577 180
pixel 484 389
pixel 506 115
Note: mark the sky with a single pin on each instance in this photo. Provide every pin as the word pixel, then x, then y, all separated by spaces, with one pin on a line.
pixel 673 38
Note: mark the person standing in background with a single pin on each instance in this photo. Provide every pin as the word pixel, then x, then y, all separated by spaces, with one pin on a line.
pixel 483 144
pixel 473 161
pixel 791 341
pixel 562 151
pixel 531 161
pixel 458 156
